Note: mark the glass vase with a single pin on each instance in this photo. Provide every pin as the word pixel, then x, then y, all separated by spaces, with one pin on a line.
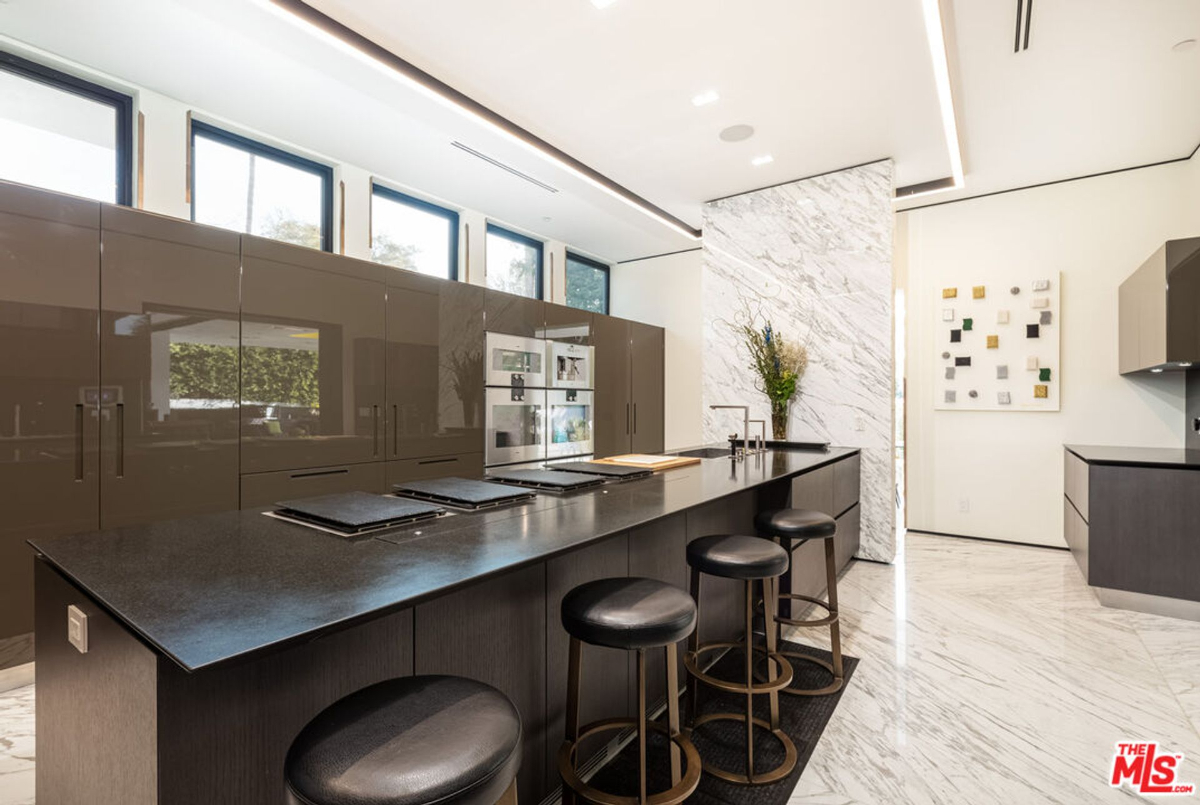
pixel 780 414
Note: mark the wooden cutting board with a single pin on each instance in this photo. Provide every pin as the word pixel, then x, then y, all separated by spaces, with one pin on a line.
pixel 666 462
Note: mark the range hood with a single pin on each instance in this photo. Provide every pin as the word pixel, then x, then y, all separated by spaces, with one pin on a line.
pixel 1159 319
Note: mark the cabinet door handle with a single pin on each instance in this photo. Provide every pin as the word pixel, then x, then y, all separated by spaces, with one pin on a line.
pixel 626 419
pixel 635 418
pixel 120 440
pixel 395 430
pixel 78 441
pixel 375 430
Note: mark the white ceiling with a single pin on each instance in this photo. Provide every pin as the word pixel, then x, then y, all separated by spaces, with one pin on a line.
pixel 1099 89
pixel 826 84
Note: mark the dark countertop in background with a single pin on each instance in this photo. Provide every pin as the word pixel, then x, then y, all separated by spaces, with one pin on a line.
pixel 206 590
pixel 1137 456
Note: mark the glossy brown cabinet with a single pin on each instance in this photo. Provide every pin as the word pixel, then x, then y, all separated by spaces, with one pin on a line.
pixel 647 367
pixel 513 315
pixel 630 366
pixel 49 380
pixel 313 330
pixel 168 368
pixel 269 488
pixel 435 345
pixel 568 324
pixel 614 405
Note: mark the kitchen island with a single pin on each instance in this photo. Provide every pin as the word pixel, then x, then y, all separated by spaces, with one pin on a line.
pixel 212 640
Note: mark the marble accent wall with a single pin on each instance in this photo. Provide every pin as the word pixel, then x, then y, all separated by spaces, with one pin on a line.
pixel 815 257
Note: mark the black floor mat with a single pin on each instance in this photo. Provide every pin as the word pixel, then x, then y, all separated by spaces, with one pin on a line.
pixel 721 743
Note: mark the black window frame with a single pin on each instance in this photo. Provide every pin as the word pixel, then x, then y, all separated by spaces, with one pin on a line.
pixel 325 172
pixel 604 267
pixel 425 206
pixel 517 237
pixel 121 103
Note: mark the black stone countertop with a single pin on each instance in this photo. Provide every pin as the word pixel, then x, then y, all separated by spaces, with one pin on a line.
pixel 1137 456
pixel 212 589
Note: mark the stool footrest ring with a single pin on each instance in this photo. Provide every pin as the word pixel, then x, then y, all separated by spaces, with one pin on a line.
pixel 691 662
pixel 832 617
pixel 774 775
pixel 832 687
pixel 672 796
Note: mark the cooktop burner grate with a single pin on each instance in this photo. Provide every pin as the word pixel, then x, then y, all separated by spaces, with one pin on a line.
pixel 354 513
pixel 462 493
pixel 548 480
pixel 613 471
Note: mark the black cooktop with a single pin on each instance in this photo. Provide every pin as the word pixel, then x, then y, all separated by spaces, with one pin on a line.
pixel 355 512
pixel 463 493
pixel 608 470
pixel 548 479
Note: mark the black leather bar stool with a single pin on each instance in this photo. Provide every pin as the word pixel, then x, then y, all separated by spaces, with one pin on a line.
pixel 413 741
pixel 632 614
pixel 749 559
pixel 794 527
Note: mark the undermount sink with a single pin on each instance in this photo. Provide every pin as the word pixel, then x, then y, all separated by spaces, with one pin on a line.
pixel 704 452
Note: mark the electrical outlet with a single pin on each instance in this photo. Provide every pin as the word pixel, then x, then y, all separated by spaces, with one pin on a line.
pixel 77 628
pixel 964 505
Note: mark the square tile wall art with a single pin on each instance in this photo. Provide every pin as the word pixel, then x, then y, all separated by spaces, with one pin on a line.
pixel 1013 368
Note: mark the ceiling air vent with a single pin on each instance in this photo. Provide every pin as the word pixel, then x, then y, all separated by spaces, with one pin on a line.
pixel 502 166
pixel 1024 16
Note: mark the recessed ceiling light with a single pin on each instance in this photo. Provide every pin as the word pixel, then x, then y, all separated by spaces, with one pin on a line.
pixel 705 98
pixel 603 3
pixel 1185 45
pixel 1157 371
pixel 765 159
pixel 735 134
pixel 1184 364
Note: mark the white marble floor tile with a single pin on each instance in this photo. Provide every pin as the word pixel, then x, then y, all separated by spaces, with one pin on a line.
pixel 16 746
pixel 989 674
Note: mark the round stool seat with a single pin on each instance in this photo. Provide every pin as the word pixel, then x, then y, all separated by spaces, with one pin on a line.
pixel 796 523
pixel 628 613
pixel 411 741
pixel 736 557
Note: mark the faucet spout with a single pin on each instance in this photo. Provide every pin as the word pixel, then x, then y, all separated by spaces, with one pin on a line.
pixel 745 409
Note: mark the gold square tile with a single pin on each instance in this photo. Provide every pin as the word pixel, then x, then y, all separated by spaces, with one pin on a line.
pixel 949 293
pixel 1041 392
pixel 993 342
pixel 979 291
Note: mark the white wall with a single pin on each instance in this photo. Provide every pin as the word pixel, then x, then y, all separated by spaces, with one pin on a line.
pixel 665 291
pixel 1007 466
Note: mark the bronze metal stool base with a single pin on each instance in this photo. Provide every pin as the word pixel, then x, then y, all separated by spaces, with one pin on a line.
pixel 832 687
pixel 786 767
pixel 830 618
pixel 672 796
pixel 691 661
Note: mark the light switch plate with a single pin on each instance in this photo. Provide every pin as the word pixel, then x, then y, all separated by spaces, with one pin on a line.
pixel 77 628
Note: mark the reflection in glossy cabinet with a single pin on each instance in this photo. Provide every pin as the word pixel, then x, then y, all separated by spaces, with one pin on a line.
pixel 435 344
pixel 568 324
pixel 514 315
pixel 312 358
pixel 168 368
pixel 49 271
pixel 614 408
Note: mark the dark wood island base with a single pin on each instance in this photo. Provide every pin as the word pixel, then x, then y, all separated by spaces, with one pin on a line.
pixel 156 711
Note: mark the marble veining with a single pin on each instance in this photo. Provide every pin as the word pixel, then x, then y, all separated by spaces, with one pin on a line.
pixel 16 746
pixel 990 673
pixel 815 257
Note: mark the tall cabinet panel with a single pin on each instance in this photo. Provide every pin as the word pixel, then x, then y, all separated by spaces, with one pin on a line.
pixel 614 408
pixel 567 324
pixel 514 315
pixel 168 368
pixel 434 367
pixel 49 299
pixel 647 372
pixel 313 329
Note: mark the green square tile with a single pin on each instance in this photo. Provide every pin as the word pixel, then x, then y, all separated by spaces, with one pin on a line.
pixel 968 324
pixel 1044 375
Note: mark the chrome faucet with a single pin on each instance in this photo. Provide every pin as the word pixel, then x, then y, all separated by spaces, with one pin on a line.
pixel 745 409
pixel 762 435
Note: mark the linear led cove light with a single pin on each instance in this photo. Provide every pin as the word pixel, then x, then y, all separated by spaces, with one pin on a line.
pixel 384 61
pixel 941 76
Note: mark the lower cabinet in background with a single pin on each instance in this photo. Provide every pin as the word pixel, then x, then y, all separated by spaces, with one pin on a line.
pixel 469 465
pixel 267 488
